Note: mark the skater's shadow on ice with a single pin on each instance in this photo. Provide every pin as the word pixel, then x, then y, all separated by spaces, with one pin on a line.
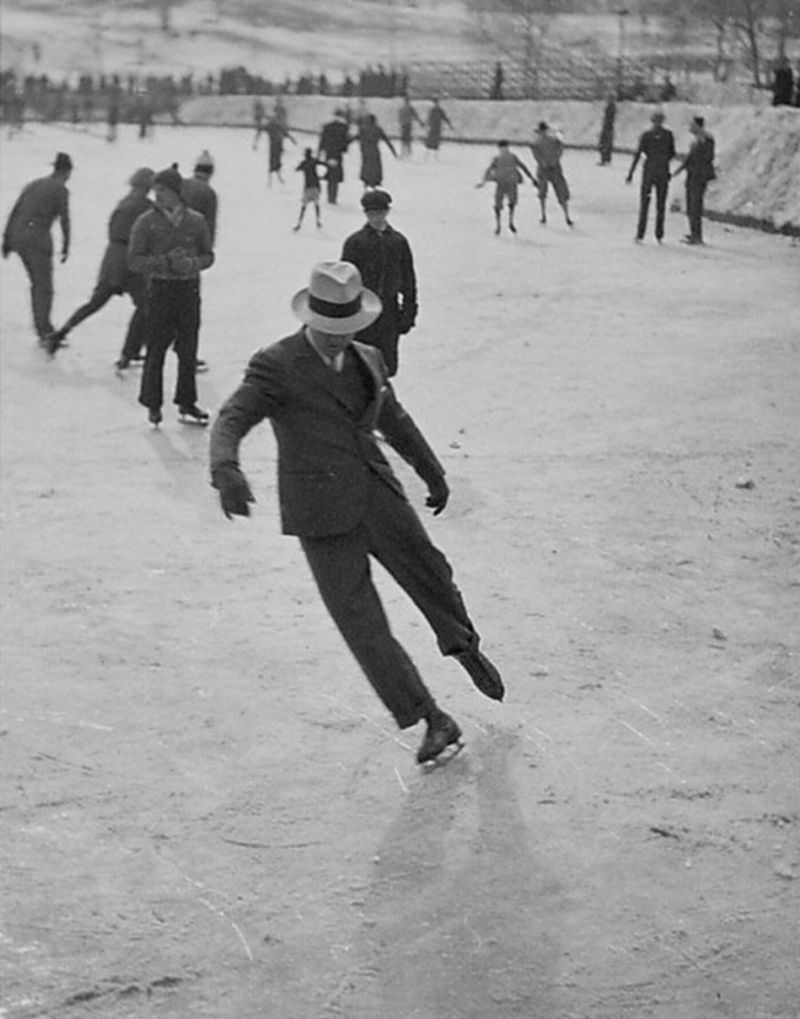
pixel 184 468
pixel 60 372
pixel 460 894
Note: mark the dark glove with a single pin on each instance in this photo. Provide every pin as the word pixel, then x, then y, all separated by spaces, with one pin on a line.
pixel 406 323
pixel 438 494
pixel 6 250
pixel 64 255
pixel 234 491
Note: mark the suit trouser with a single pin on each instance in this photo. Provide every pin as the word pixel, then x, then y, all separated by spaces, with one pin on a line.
pixel 661 186
pixel 695 193
pixel 38 264
pixel 101 295
pixel 384 333
pixel 173 316
pixel 392 533
pixel 332 182
pixel 136 335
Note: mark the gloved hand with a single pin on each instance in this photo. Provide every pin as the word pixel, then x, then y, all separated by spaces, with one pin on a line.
pixel 438 494
pixel 234 491
pixel 6 250
pixel 406 323
pixel 180 261
pixel 64 255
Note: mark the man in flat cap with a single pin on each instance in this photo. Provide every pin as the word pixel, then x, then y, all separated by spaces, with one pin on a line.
pixel 657 145
pixel 27 232
pixel 325 395
pixel 384 258
pixel 171 246
pixel 115 277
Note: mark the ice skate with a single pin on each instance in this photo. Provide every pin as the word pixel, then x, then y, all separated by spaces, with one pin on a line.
pixel 443 732
pixel 193 415
pixel 53 341
pixel 482 673
pixel 154 416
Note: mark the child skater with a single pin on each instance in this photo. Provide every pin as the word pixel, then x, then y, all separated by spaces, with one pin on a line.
pixel 506 171
pixel 311 189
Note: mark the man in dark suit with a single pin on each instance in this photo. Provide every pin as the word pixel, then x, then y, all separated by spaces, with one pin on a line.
pixel 325 396
pixel 27 232
pixel 699 167
pixel 334 141
pixel 657 145
pixel 384 259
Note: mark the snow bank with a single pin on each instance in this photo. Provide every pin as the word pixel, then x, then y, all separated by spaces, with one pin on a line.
pixel 758 148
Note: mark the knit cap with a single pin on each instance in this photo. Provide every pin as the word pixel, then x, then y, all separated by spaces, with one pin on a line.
pixel 205 161
pixel 169 178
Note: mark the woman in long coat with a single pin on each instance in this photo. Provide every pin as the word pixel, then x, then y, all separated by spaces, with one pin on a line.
pixel 437 118
pixel 370 135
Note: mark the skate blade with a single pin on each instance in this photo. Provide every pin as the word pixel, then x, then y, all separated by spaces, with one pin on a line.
pixel 193 421
pixel 445 757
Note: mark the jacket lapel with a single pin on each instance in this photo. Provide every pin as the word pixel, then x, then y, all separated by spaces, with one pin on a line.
pixel 313 368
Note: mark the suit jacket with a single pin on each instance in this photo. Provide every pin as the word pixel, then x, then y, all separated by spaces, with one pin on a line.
pixel 657 145
pixel 198 194
pixel 328 456
pixel 40 204
pixel 334 140
pixel 699 161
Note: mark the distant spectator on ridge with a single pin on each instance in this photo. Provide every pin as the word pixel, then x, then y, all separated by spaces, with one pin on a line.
pixel 782 84
pixel 497 82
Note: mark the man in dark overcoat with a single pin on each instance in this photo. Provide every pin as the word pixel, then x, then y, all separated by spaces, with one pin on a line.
pixel 115 277
pixel 27 232
pixel 334 141
pixel 384 258
pixel 325 395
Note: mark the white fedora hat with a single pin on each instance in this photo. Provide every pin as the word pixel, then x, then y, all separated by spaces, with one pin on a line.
pixel 336 301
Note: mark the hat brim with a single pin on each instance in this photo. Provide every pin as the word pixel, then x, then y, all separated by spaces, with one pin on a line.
pixel 371 308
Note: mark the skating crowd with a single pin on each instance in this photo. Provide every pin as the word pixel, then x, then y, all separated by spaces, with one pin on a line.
pixel 327 389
